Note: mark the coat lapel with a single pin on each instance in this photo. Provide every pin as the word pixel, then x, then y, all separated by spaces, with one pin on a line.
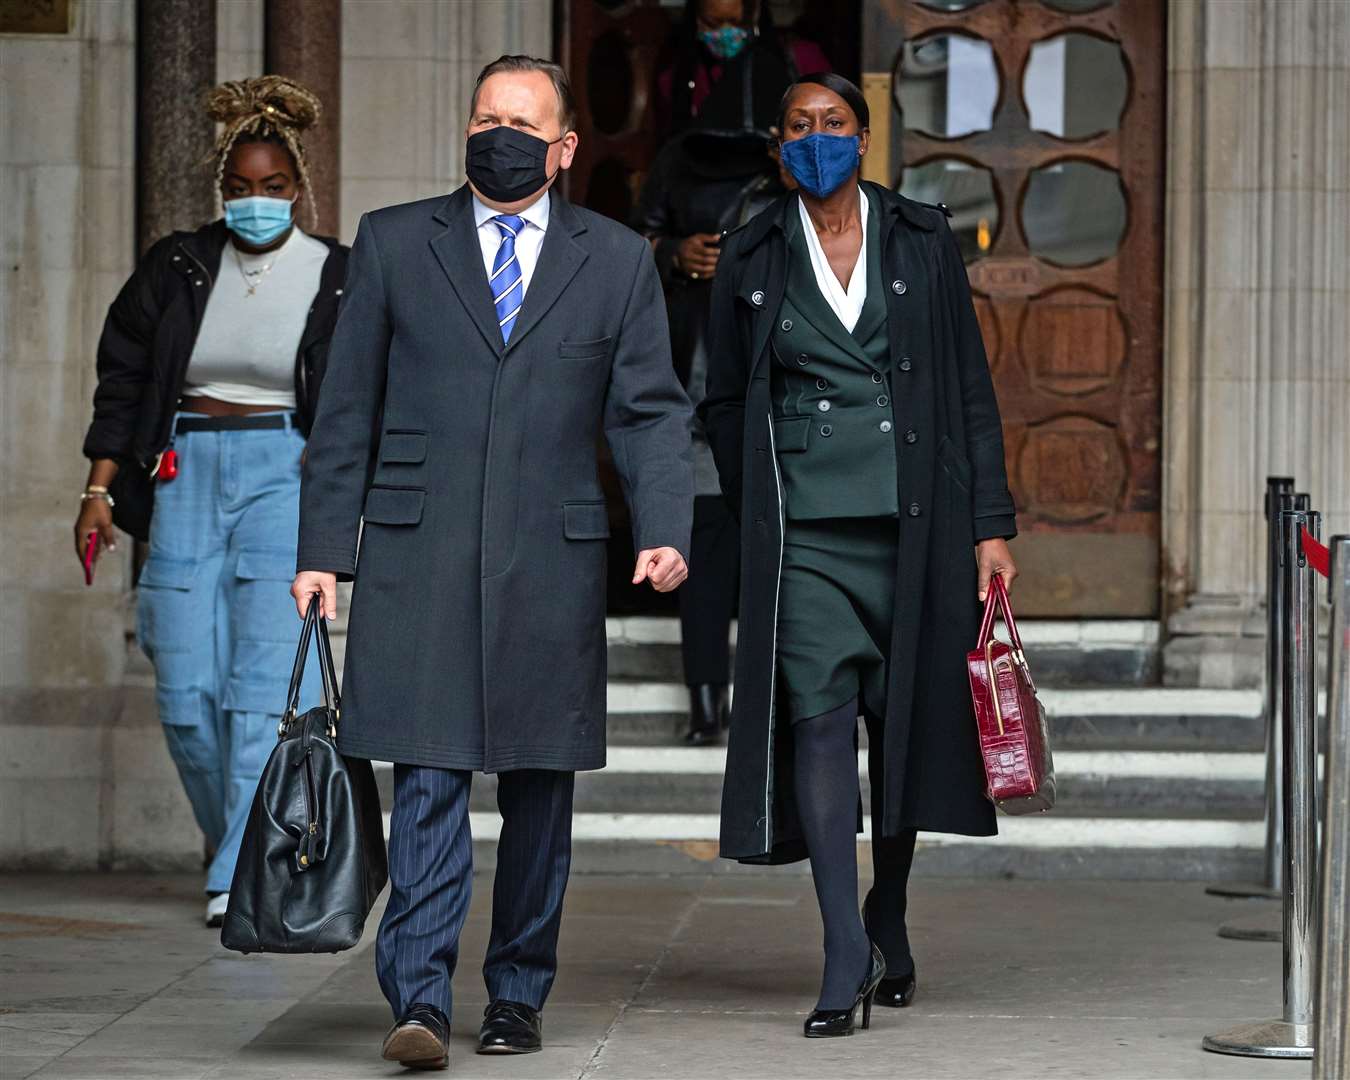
pixel 461 257
pixel 560 258
pixel 874 307
pixel 805 294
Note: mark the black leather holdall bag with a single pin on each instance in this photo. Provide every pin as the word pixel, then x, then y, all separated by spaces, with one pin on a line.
pixel 312 860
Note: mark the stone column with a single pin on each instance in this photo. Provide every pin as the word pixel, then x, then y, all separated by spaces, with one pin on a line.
pixel 1256 368
pixel 303 40
pixel 175 67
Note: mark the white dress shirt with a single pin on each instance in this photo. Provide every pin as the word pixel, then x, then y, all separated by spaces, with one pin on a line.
pixel 846 303
pixel 528 243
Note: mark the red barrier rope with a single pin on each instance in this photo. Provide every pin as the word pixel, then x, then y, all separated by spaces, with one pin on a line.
pixel 1318 555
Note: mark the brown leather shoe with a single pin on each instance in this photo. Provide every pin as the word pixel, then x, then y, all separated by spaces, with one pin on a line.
pixel 420 1040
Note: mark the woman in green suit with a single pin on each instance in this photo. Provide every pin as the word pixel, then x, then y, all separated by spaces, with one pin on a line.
pixel 854 423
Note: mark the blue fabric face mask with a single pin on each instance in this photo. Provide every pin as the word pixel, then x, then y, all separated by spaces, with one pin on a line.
pixel 726 42
pixel 821 163
pixel 258 219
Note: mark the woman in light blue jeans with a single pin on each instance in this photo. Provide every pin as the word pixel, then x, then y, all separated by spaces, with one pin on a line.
pixel 209 369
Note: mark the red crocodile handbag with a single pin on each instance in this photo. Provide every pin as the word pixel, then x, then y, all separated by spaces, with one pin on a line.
pixel 1009 715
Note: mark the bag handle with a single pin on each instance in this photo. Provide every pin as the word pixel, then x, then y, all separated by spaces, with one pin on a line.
pixel 327 671
pixel 998 595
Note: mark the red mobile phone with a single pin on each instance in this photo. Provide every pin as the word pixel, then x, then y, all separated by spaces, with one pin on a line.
pixel 90 546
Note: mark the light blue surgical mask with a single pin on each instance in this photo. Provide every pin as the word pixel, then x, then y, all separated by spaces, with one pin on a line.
pixel 821 163
pixel 258 219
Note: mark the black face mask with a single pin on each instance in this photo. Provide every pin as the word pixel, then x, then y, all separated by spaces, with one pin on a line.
pixel 506 164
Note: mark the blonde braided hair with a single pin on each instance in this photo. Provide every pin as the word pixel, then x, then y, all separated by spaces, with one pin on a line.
pixel 270 108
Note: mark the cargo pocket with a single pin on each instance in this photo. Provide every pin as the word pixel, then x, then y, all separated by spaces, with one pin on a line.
pixel 252 706
pixel 263 609
pixel 189 730
pixel 165 616
pixel 587 520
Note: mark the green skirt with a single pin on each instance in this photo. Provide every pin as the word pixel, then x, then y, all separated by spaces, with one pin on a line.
pixel 835 605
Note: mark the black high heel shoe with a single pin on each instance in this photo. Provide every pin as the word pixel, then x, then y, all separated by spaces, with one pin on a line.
pixel 831 1023
pixel 897 992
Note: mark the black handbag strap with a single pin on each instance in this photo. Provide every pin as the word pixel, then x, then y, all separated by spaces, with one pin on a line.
pixel 327 672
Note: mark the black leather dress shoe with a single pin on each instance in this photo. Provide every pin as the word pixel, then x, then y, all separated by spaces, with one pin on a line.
pixel 510 1028
pixel 896 993
pixel 708 714
pixel 420 1039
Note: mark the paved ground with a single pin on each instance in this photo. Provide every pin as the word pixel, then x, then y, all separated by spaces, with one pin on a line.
pixel 110 976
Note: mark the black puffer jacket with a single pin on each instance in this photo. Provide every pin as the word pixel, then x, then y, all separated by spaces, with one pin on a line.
pixel 150 331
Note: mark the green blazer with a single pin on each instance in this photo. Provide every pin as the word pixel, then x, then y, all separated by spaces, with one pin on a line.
pixel 832 413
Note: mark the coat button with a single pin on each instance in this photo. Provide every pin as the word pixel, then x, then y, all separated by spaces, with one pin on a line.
pixel 197 282
pixel 911 436
pixel 883 400
pixel 823 406
pixel 885 425
pixel 786 325
pixel 821 384
pixel 826 430
pixel 337 292
pixel 757 297
pixel 906 364
pixel 876 377
pixel 914 510
pixel 176 258
pixel 898 287
pixel 803 359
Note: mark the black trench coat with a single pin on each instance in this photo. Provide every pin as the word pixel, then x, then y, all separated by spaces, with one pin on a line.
pixel 477 632
pixel 953 492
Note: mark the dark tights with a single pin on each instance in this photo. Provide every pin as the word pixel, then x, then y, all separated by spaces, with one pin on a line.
pixel 892 857
pixel 825 779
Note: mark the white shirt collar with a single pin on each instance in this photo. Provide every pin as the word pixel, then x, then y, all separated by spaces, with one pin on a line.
pixel 535 214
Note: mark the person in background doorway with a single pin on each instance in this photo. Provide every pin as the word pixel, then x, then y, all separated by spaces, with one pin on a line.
pixel 702 184
pixel 853 420
pixel 719 49
pixel 208 375
pixel 713 175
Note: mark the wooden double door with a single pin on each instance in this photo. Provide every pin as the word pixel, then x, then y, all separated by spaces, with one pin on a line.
pixel 1040 124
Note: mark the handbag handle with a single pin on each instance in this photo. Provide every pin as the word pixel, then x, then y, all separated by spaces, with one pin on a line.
pixel 998 594
pixel 327 672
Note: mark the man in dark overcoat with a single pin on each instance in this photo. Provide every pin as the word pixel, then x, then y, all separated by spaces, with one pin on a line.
pixel 485 339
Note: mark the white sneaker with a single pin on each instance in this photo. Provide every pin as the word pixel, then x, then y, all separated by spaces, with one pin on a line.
pixel 215 909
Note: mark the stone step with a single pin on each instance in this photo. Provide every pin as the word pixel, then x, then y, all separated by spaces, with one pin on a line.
pixel 658 780
pixel 1067 653
pixel 1130 717
pixel 1047 846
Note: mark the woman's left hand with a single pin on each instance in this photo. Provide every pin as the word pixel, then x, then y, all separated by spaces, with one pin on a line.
pixel 993 558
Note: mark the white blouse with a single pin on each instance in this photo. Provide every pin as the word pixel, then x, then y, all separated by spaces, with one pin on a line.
pixel 846 303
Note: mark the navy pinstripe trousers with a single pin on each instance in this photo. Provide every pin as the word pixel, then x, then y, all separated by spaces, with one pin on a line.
pixel 431 877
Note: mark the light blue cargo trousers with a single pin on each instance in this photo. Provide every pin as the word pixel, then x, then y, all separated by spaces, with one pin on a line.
pixel 216 618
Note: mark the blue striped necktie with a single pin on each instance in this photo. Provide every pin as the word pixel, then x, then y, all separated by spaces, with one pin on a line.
pixel 508 287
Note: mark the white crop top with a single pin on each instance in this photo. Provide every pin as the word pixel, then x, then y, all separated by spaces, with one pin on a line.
pixel 245 349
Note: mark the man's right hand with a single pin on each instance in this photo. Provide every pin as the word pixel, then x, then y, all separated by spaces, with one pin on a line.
pixel 309 582
pixel 697 255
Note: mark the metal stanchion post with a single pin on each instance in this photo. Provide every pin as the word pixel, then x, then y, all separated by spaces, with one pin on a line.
pixel 1269 926
pixel 1332 1060
pixel 1278 488
pixel 1291 1036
